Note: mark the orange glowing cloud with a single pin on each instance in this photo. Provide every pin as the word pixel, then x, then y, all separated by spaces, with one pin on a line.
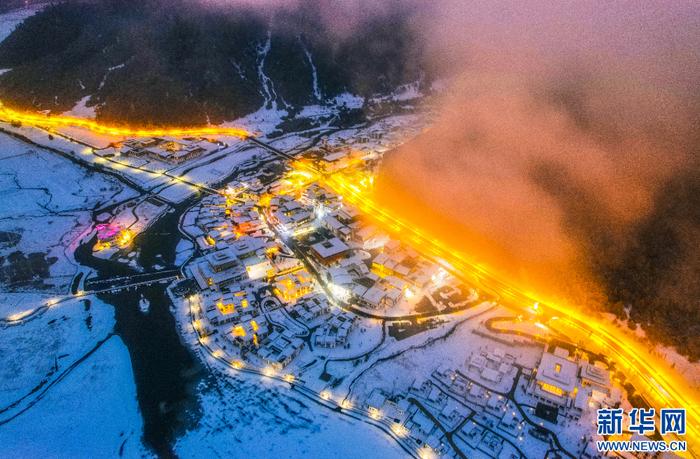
pixel 559 131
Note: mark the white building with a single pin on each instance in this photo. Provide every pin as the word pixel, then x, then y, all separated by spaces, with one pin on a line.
pixel 556 379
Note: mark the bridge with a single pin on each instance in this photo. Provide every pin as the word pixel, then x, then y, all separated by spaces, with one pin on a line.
pixel 117 284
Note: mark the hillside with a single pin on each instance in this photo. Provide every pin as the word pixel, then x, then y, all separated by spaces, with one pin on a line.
pixel 156 62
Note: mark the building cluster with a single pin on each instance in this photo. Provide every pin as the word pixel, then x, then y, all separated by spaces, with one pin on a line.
pixel 568 385
pixel 310 308
pixel 495 367
pixel 277 256
pixel 333 158
pixel 233 318
pixel 273 249
pixel 281 349
pixel 492 402
pixel 359 263
pixel 247 271
pixel 241 264
pixel 173 150
pixel 335 330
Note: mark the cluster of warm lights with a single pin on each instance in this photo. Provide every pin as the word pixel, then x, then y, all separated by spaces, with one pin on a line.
pixel 269 372
pixel 121 240
pixel 426 452
pixel 399 430
pixel 622 348
pixel 352 187
pixel 19 315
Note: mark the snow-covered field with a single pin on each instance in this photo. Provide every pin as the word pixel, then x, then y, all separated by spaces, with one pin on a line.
pixel 249 418
pixel 9 21
pixel 147 174
pixel 47 200
pixel 67 384
pixel 91 413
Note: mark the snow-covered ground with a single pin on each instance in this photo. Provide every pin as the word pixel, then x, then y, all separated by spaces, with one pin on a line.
pixel 81 110
pixel 67 384
pixel 9 21
pixel 183 251
pixel 400 367
pixel 249 418
pixel 47 201
pixel 206 170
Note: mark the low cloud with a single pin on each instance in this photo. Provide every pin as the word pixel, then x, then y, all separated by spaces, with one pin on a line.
pixel 567 133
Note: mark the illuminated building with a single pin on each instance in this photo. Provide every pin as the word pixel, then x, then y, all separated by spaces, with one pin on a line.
pixel 249 332
pixel 111 235
pixel 258 267
pixel 335 161
pixel 377 297
pixel 556 378
pixel 229 307
pixel 338 158
pixel 292 215
pixel 290 287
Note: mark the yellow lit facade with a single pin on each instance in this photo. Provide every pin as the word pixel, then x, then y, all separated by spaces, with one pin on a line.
pixel 552 389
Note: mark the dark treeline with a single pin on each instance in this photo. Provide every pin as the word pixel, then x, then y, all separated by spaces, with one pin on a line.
pixel 158 62
pixel 659 274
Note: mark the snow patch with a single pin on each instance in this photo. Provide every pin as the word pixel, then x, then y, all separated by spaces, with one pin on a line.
pixel 349 100
pixel 110 70
pixel 244 418
pixel 263 121
pixel 81 110
pixel 407 92
pixel 10 21
pixel 314 74
pixel 267 87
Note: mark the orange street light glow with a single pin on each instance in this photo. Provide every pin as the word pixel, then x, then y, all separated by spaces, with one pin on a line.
pixel 664 387
pixel 60 121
